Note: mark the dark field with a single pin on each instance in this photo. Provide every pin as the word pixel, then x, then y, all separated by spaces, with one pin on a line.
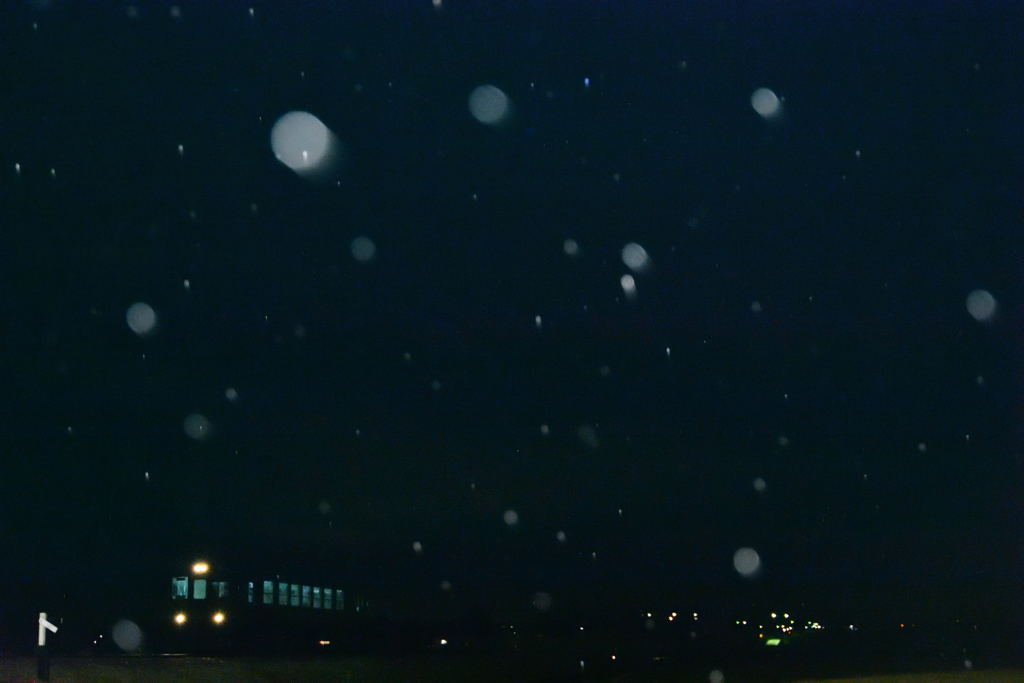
pixel 182 668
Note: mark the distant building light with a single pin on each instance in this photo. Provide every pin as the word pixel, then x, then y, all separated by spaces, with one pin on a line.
pixel 218 617
pixel 180 618
pixel 325 642
pixel 774 615
pixel 444 641
pixel 773 642
pixel 613 658
pixel 200 567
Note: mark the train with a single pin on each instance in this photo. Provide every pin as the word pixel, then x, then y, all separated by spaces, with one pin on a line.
pixel 213 607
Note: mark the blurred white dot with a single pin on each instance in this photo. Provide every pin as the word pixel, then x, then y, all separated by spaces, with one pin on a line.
pixel 981 305
pixel 197 426
pixel 186 284
pixel 542 601
pixel 324 507
pixel 127 635
pixel 560 537
pixel 545 430
pixel 628 285
pixel 231 394
pixel 765 102
pixel 436 385
pixel 635 257
pixel 300 140
pixel 488 105
pixel 588 436
pixel 446 585
pixel 511 517
pixel 760 485
pixel 417 547
pixel 147 476
pixel 537 321
pixel 181 150
pixel 979 380
pixel 746 561
pixel 363 249
pixel 755 307
pixel 784 441
pixel 571 247
pixel 922 447
pixel 716 676
pixel 141 318
pixel 175 12
pixel 968 664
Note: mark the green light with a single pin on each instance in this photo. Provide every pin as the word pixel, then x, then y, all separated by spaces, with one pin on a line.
pixel 773 642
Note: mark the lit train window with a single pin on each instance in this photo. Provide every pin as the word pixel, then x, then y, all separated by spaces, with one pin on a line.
pixel 220 589
pixel 199 589
pixel 268 592
pixel 282 594
pixel 339 602
pixel 179 588
pixel 307 597
pixel 328 598
pixel 250 591
pixel 295 595
pixel 317 598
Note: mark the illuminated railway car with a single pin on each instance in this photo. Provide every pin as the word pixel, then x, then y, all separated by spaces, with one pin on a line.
pixel 212 608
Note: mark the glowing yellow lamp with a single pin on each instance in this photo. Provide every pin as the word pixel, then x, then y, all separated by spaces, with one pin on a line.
pixel 218 617
pixel 180 618
pixel 200 567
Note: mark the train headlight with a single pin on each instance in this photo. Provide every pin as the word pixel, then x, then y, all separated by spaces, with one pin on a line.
pixel 218 617
pixel 200 567
pixel 180 618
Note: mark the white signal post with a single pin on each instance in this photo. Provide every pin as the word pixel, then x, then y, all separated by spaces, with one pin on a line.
pixel 43 668
pixel 44 626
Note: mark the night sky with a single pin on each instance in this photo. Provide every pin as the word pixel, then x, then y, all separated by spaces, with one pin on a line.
pixel 813 301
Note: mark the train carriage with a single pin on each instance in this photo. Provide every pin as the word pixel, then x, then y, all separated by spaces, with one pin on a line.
pixel 212 607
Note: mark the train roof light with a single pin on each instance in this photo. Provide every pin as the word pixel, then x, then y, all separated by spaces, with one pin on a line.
pixel 200 567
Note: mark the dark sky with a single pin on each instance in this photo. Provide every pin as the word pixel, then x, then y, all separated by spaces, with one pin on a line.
pixel 402 399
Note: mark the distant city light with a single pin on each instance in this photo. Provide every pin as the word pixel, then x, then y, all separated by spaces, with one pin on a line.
pixel 180 618
pixel 200 567
pixel 324 642
pixel 218 617
pixel 765 102
pixel 444 641
pixel 489 105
